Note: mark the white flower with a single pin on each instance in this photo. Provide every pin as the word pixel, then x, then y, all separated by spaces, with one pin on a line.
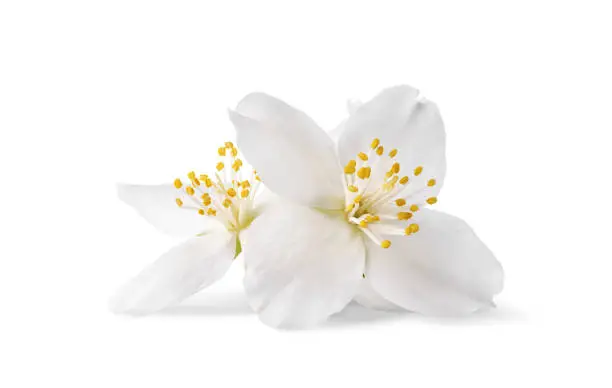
pixel 213 209
pixel 354 224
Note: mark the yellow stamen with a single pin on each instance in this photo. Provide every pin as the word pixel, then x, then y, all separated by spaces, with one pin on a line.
pixel 350 167
pixel 234 152
pixel 208 182
pixel 211 212
pixel 385 244
pixel 363 223
pixel 357 199
pixel 388 174
pixel 244 193
pixel 414 208
pixel 364 172
pixel 404 216
pixel 231 192
pixel 404 180
pixel 432 200
pixel 237 164
pixel 395 168
pixel 220 166
pixel 191 175
pixel 177 183
pixel 229 144
pixel 393 153
pixel 431 182
pixel 400 202
pixel 195 181
pixel 350 207
pixel 375 143
pixel 412 228
pixel 227 202
pixel 190 190
pixel 418 170
pixel 352 189
pixel 201 212
pixel 245 184
pixel 363 156
pixel 380 150
pixel 222 151
pixel 179 202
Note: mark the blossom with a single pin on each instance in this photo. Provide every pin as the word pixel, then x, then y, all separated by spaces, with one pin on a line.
pixel 213 209
pixel 354 222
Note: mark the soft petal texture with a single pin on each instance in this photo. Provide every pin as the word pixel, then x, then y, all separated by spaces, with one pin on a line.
pixel 368 297
pixel 295 158
pixel 444 269
pixel 157 204
pixel 401 119
pixel 301 265
pixel 177 274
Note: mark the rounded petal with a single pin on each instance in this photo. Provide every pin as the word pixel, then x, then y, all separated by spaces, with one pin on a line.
pixel 177 274
pixel 301 265
pixel 368 297
pixel 403 120
pixel 444 269
pixel 294 157
pixel 157 205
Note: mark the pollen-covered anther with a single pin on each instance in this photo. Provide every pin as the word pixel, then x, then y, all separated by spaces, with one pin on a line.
pixel 350 167
pixel 244 193
pixel 404 180
pixel 404 216
pixel 414 208
pixel 395 168
pixel 352 189
pixel 237 164
pixel 191 175
pixel 364 172
pixel 380 150
pixel 393 153
pixel 201 212
pixel 220 166
pixel 412 228
pixel 179 202
pixel 385 244
pixel 222 151
pixel 432 200
pixel 363 156
pixel 177 183
pixel 190 190
pixel 231 192
pixel 431 182
pixel 227 202
pixel 245 184
pixel 418 170
pixel 400 202
pixel 375 143
pixel 211 212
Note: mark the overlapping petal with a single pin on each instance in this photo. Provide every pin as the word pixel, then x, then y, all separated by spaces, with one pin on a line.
pixel 157 204
pixel 177 274
pixel 295 158
pixel 368 297
pixel 301 265
pixel 444 269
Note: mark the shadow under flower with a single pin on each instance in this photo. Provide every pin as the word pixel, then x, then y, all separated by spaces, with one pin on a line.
pixel 208 305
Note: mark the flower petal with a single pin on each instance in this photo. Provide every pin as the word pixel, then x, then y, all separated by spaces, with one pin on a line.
pixel 295 158
pixel 403 120
pixel 368 297
pixel 157 205
pixel 301 265
pixel 444 269
pixel 177 274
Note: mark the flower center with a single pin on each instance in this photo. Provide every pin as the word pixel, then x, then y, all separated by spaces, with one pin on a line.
pixel 228 195
pixel 373 194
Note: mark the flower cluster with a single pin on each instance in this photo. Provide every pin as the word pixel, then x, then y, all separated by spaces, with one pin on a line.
pixel 349 219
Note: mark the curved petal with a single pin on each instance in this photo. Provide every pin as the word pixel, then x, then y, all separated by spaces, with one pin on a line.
pixel 368 297
pixel 403 120
pixel 177 274
pixel 294 157
pixel 301 265
pixel 444 269
pixel 157 205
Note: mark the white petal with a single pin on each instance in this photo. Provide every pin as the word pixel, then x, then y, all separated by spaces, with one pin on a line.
pixel 177 274
pixel 444 269
pixel 301 265
pixel 401 119
pixel 157 204
pixel 294 157
pixel 368 297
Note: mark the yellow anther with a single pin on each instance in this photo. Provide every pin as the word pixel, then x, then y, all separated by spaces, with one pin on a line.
pixel 229 144
pixel 363 156
pixel 393 153
pixel 195 181
pixel 364 172
pixel 375 143
pixel 203 177
pixel 388 174
pixel 245 184
pixel 404 180
pixel 257 178
pixel 231 192
pixel 237 164
pixel 350 167
pixel 352 189
pixel 244 193
pixel 206 201
pixel 414 208
pixel 179 202
pixel 201 212
pixel 412 228
pixel 395 168
pixel 227 202
pixel 222 151
pixel 431 182
pixel 400 202
pixel 211 212
pixel 358 199
pixel 220 166
pixel 380 150
pixel 385 244
pixel 189 190
pixel 208 182
pixel 432 200
pixel 350 207
pixel 373 219
pixel 177 183
pixel 363 223
pixel 234 152
pixel 191 175
pixel 418 170
pixel 404 216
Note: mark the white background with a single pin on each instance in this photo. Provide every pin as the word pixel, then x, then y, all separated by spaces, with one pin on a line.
pixel 94 93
